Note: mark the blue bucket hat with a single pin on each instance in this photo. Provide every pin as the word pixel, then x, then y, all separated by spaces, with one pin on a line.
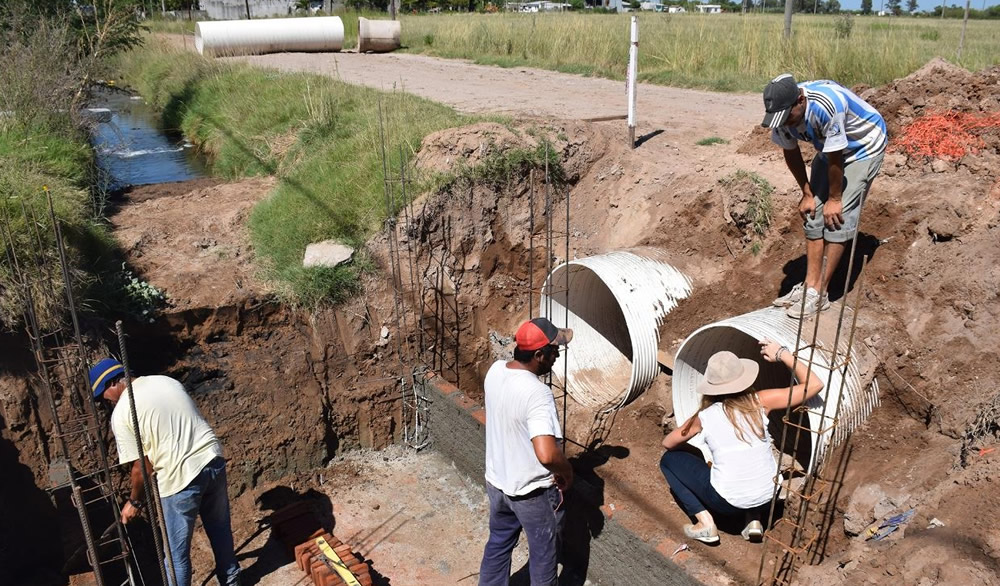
pixel 102 373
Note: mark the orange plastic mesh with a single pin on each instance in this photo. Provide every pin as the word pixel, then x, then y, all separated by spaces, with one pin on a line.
pixel 946 135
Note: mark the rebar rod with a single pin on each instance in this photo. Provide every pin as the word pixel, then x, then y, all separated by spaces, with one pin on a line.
pixel 147 489
pixel 531 243
pixel 163 527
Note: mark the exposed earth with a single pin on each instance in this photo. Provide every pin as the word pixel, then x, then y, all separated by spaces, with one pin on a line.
pixel 311 388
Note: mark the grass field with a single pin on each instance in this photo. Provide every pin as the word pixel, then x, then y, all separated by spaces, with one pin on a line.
pixel 320 137
pixel 728 52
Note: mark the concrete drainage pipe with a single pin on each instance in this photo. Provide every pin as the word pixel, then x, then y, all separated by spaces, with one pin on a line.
pixel 378 36
pixel 615 304
pixel 856 389
pixel 269 35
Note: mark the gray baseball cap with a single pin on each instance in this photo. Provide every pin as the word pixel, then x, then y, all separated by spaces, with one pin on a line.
pixel 779 96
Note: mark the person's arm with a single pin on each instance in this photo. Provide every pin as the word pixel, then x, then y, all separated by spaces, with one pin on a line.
pixel 551 456
pixel 793 159
pixel 808 386
pixel 683 433
pixel 137 492
pixel 833 208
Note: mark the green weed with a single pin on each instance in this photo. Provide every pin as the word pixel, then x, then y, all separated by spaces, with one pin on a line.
pixel 712 140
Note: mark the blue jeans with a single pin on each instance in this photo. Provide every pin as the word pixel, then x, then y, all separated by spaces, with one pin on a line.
pixel 690 479
pixel 206 496
pixel 540 513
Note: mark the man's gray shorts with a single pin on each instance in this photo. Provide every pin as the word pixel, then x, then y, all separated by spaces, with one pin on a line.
pixel 858 178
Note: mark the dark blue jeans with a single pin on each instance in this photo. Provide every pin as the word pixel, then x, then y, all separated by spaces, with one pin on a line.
pixel 540 513
pixel 206 496
pixel 689 478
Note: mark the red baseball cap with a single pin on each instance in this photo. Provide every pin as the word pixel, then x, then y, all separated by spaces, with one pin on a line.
pixel 539 333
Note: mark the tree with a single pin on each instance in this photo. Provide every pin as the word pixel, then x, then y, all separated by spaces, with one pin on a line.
pixel 911 6
pixel 893 6
pixel 866 6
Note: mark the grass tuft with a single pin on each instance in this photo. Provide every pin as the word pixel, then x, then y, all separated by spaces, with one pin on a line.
pixel 712 140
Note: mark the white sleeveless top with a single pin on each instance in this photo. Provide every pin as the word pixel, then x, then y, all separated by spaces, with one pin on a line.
pixel 742 473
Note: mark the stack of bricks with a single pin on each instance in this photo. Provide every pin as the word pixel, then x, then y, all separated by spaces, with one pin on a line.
pixel 298 529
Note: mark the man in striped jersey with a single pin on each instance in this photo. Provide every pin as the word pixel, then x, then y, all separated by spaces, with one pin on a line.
pixel 850 139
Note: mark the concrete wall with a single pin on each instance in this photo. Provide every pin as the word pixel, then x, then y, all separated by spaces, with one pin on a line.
pixel 600 549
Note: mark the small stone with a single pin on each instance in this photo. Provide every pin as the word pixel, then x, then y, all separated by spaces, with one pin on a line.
pixel 328 253
pixel 941 166
pixel 384 333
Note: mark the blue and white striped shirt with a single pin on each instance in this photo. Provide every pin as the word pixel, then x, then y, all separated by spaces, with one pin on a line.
pixel 836 119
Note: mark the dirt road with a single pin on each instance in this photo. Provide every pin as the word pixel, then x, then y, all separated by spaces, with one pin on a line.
pixel 524 91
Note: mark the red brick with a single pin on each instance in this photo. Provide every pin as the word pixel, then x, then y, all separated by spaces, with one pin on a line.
pixel 480 415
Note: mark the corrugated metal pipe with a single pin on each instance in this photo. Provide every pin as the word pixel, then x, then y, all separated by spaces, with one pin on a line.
pixel 615 304
pixel 854 389
pixel 269 35
pixel 378 36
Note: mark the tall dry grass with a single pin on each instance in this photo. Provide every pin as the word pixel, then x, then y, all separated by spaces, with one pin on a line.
pixel 728 52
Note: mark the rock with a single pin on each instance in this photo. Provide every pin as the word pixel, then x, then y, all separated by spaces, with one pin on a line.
pixel 384 333
pixel 941 166
pixel 328 253
pixel 860 509
pixel 935 522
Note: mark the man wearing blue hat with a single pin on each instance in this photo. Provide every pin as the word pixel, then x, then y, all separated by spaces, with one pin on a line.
pixel 183 451
pixel 850 139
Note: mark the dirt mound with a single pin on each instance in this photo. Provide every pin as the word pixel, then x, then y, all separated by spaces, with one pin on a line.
pixel 935 87
pixel 941 89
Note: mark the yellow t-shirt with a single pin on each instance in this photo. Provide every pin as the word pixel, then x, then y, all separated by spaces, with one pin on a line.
pixel 175 437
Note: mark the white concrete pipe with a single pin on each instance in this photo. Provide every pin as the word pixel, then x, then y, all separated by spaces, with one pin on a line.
pixel 274 35
pixel 378 36
pixel 740 335
pixel 616 303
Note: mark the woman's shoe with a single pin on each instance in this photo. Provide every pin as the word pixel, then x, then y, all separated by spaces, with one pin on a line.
pixel 753 532
pixel 705 535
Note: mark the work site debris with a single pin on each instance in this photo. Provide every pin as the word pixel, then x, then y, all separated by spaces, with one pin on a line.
pixel 947 135
pixel 880 531
pixel 935 522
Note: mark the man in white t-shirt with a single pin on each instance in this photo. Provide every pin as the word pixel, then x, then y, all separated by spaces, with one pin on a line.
pixel 181 448
pixel 526 470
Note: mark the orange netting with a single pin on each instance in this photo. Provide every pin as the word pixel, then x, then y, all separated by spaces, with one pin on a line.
pixel 946 135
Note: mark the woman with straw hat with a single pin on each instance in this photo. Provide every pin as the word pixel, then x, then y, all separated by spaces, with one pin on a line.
pixel 733 423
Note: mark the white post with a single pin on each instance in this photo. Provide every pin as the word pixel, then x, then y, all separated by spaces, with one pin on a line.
pixel 630 81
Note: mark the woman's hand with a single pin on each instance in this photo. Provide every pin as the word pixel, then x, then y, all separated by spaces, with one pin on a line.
pixel 770 350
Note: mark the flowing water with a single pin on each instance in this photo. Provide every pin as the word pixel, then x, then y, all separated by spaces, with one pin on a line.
pixel 132 146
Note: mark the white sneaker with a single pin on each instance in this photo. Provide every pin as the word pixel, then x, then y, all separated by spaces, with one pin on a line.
pixel 814 304
pixel 705 535
pixel 790 298
pixel 753 532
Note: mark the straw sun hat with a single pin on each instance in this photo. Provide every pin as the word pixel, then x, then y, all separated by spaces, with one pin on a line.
pixel 727 374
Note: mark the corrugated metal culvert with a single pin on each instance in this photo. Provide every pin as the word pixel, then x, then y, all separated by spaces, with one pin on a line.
pixel 614 303
pixel 854 387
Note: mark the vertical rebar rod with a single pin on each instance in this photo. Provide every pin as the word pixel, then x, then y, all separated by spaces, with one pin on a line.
pixel 147 489
pixel 531 243
pixel 565 378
